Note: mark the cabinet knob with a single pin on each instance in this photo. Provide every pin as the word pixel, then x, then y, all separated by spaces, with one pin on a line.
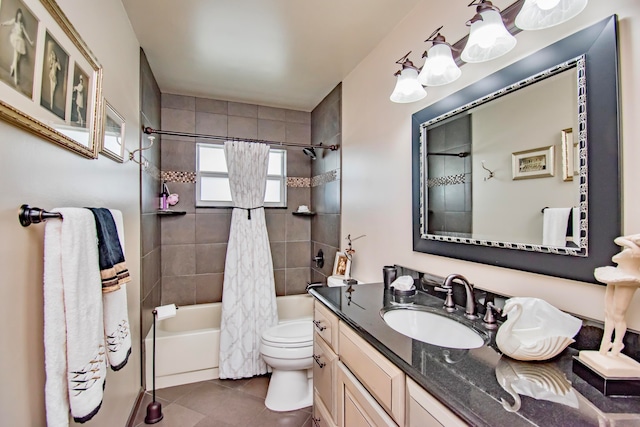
pixel 319 325
pixel 316 421
pixel 317 359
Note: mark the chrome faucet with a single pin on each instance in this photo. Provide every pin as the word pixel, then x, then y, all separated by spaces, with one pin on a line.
pixel 470 311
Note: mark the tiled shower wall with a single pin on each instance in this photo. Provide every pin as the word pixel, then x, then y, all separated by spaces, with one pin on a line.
pixel 449 178
pixel 194 245
pixel 150 182
pixel 326 128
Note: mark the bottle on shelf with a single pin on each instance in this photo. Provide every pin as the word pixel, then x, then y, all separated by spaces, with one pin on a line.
pixel 164 194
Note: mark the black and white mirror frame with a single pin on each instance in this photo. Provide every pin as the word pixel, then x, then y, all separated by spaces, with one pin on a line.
pixel 597 46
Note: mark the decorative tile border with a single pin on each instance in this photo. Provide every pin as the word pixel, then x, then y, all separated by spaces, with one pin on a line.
pixel 446 180
pixel 292 181
pixel 179 176
pixel 324 178
pixel 295 182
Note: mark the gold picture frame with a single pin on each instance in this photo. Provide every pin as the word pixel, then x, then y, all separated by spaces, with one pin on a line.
pixel 570 155
pixel 113 132
pixel 50 81
pixel 534 163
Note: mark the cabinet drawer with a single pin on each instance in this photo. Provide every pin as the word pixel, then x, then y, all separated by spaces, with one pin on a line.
pixel 356 407
pixel 324 374
pixel 384 380
pixel 326 325
pixel 424 410
pixel 321 416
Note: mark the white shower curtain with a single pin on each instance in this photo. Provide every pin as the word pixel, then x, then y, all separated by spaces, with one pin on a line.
pixel 248 296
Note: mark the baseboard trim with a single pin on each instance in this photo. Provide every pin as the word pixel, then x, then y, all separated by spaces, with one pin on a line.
pixel 136 407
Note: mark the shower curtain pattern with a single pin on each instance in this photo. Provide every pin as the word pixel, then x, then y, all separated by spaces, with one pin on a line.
pixel 248 296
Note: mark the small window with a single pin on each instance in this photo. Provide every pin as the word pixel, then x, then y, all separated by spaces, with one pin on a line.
pixel 212 177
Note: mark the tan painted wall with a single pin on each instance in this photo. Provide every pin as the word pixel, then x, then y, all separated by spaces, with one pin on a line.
pixel 509 210
pixel 43 174
pixel 376 177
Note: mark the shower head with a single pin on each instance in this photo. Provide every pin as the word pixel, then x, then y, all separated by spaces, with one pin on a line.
pixel 309 151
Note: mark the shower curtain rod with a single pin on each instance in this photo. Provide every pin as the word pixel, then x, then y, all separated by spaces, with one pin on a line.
pixel 150 131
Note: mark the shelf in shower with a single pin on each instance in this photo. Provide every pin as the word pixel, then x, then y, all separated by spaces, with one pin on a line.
pixel 169 212
pixel 303 213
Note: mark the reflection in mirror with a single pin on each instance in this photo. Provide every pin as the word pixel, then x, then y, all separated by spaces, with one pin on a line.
pixel 541 210
pixel 510 232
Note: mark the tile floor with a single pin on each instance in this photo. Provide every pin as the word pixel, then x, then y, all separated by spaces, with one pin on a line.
pixel 221 403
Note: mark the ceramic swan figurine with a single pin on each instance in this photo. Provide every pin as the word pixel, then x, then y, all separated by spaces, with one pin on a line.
pixel 535 330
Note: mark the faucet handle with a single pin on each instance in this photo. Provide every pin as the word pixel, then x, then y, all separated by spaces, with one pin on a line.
pixel 489 317
pixel 449 305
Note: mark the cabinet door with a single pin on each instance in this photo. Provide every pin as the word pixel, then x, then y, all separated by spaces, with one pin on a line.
pixel 321 417
pixel 423 410
pixel 353 415
pixel 326 325
pixel 356 407
pixel 383 380
pixel 324 374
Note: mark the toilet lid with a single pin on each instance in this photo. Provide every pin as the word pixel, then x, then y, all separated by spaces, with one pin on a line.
pixel 291 334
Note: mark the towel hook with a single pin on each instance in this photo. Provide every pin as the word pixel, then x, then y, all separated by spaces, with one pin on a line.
pixel 488 170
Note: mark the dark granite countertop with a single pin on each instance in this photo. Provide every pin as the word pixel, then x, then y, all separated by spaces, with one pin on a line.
pixel 466 381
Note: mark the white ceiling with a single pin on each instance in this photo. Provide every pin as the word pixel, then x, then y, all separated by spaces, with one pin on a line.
pixel 281 53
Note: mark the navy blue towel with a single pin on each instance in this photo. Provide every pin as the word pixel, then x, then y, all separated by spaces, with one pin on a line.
pixel 113 269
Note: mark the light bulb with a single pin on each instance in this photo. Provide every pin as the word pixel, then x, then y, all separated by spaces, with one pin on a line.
pixel 408 89
pixel 488 38
pixel 439 67
pixel 541 14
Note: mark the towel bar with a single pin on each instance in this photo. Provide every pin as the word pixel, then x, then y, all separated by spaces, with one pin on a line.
pixel 29 215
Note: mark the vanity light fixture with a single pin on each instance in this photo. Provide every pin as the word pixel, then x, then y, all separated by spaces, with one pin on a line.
pixel 540 14
pixel 407 89
pixel 488 36
pixel 439 67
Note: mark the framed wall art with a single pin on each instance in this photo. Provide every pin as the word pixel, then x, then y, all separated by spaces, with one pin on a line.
pixel 341 265
pixel 112 143
pixel 50 82
pixel 535 163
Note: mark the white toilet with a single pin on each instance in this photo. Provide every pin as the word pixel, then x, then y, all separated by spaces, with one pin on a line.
pixel 288 349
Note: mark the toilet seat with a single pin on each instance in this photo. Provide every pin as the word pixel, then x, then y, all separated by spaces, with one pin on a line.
pixel 289 335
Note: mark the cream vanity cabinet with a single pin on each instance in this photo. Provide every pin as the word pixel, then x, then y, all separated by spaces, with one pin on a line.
pixel 355 385
pixel 423 410
pixel 325 355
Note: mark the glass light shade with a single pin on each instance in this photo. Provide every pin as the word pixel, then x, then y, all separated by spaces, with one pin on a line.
pixel 439 68
pixel 488 38
pixel 540 14
pixel 408 89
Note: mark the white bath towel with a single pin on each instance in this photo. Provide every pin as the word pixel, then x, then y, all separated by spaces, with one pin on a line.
pixel 116 318
pixel 554 228
pixel 75 362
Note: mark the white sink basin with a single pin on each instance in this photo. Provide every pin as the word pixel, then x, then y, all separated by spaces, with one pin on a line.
pixel 432 328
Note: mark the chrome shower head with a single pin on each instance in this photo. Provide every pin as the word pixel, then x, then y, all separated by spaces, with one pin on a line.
pixel 309 151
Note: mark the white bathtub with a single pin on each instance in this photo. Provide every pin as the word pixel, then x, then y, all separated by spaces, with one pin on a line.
pixel 187 345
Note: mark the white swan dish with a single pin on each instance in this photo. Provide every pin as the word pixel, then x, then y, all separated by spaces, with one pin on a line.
pixel 535 330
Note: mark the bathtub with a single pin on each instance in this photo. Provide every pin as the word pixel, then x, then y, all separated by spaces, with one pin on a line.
pixel 188 344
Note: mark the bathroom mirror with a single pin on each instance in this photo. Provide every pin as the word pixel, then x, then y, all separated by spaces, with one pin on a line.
pixel 469 199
